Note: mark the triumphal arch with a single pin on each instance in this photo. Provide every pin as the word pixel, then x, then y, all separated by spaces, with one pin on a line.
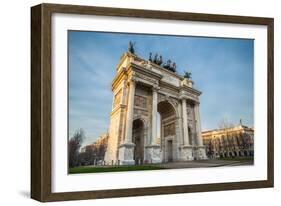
pixel 142 89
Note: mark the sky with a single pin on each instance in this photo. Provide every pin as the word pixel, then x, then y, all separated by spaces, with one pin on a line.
pixel 222 69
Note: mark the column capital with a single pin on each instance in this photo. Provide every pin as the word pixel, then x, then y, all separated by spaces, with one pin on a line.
pixel 186 98
pixel 132 80
pixel 183 98
pixel 155 87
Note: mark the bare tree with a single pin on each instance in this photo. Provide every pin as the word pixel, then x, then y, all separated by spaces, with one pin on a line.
pixel 87 157
pixel 100 151
pixel 225 124
pixel 74 145
pixel 210 148
pixel 228 140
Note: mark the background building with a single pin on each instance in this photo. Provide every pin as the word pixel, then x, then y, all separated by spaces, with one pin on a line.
pixel 236 141
pixel 92 153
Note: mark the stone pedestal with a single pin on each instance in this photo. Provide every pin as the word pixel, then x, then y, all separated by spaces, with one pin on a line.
pixel 187 153
pixel 200 153
pixel 153 154
pixel 126 154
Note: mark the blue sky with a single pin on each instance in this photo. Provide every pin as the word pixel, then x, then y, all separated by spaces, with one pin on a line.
pixel 221 68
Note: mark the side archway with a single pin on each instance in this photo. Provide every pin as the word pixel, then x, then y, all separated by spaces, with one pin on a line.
pixel 138 138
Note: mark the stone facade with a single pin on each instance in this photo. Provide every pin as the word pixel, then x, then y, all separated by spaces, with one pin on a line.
pixel 236 141
pixel 141 89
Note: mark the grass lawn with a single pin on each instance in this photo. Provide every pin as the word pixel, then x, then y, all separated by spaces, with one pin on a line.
pixel 237 158
pixel 87 169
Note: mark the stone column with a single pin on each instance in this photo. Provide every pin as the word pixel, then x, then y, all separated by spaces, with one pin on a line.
pixel 123 116
pixel 130 112
pixel 153 150
pixel 180 140
pixel 187 149
pixel 200 150
pixel 123 97
pixel 185 128
pixel 126 150
pixel 154 115
pixel 198 125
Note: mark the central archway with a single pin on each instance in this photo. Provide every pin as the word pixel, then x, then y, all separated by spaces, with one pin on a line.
pixel 167 133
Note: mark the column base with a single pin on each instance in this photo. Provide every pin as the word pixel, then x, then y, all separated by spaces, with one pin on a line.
pixel 153 154
pixel 200 153
pixel 187 153
pixel 126 154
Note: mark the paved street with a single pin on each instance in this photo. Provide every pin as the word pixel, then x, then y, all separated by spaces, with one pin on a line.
pixel 206 163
